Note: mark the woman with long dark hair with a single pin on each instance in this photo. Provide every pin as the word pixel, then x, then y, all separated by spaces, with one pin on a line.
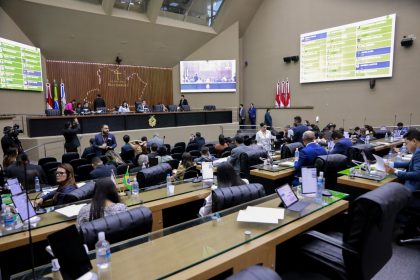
pixel 185 164
pixel 105 202
pixel 226 177
pixel 65 179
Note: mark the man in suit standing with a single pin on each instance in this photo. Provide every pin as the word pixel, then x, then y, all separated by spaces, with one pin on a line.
pixel 70 136
pixel 242 116
pixel 104 141
pixel 412 174
pixel 99 102
pixel 342 145
pixel 298 130
pixel 309 153
pixel 252 113
pixel 236 152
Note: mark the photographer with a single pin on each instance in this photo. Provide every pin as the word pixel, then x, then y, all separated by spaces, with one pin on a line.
pixel 10 139
pixel 71 128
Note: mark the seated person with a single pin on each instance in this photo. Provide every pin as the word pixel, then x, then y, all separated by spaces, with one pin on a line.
pixel 205 156
pixel 153 151
pixel 218 148
pixel 197 139
pixel 411 176
pixel 236 152
pixel 86 108
pixel 400 130
pixel 143 161
pixel 17 170
pixel 163 156
pixel 370 131
pixel 226 177
pixel 100 170
pixel 79 108
pixel 89 150
pixel 126 148
pixel 342 145
pixel 308 154
pixel 10 157
pixel 124 108
pixel 66 184
pixel 105 202
pixel 185 163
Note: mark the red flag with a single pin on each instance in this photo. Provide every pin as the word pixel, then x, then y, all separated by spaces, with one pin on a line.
pixel 282 94
pixel 278 94
pixel 48 96
pixel 287 95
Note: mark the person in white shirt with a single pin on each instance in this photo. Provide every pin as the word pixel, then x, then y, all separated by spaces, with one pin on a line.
pixel 264 137
pixel 124 108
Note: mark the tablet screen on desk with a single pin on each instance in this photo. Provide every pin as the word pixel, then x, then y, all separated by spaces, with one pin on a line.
pixel 287 196
pixel 22 204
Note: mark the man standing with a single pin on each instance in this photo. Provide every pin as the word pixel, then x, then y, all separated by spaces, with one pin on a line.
pixel 298 130
pixel 268 120
pixel 99 102
pixel 242 116
pixel 252 113
pixel 70 136
pixel 104 141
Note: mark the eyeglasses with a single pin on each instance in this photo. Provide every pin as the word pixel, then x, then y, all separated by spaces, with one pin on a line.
pixel 59 173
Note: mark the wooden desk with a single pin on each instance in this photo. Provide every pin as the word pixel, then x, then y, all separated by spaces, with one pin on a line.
pixel 156 205
pixel 273 175
pixel 364 183
pixel 386 146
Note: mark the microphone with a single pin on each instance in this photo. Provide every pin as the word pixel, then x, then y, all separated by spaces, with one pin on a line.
pixel 164 139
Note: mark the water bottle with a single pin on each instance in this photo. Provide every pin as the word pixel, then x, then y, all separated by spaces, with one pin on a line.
pixel 386 136
pixel 392 137
pixel 143 166
pixel 404 149
pixel 103 255
pixel 8 219
pixel 297 154
pixel 398 158
pixel 170 188
pixel 3 213
pixel 135 187
pixel 321 186
pixel 367 139
pixel 37 185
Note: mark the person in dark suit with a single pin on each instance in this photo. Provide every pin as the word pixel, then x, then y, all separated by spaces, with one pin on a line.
pixel 298 130
pixel 156 139
pixel 242 116
pixel 268 120
pixel 126 148
pixel 17 170
pixel 197 139
pixel 400 130
pixel 100 170
pixel 236 152
pixel 104 141
pixel 89 150
pixel 182 101
pixel 411 176
pixel 309 153
pixel 70 136
pixel 153 151
pixel 342 145
pixel 99 102
pixel 205 156
pixel 252 113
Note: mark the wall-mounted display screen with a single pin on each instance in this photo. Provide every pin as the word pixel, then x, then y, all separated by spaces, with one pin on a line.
pixel 360 50
pixel 208 76
pixel 20 66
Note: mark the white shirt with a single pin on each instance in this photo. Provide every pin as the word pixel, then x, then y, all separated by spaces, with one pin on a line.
pixel 123 109
pixel 264 139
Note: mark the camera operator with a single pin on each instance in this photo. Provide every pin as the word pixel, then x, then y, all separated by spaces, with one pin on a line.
pixel 71 128
pixel 10 139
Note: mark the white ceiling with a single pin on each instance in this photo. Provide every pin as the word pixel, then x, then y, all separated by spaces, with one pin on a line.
pixel 77 31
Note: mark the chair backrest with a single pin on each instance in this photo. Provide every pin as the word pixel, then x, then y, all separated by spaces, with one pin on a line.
pixel 370 232
pixel 288 150
pixel 118 227
pixel 122 169
pixel 84 192
pixel 153 161
pixel 174 163
pixel 172 108
pixel 77 162
pixel 44 160
pixel 52 112
pixel 226 153
pixel 90 156
pixel 51 178
pixel 226 197
pixel 192 146
pixel 180 144
pixel 195 153
pixel 67 157
pixel 330 165
pixel 250 158
pixel 177 156
pixel 83 172
pixel 255 272
pixel 153 175
pixel 209 107
pixel 158 108
pixel 190 173
pixel 359 148
pixel 185 108
pixel 177 150
pixel 50 165
pixel 168 148
pixel 128 157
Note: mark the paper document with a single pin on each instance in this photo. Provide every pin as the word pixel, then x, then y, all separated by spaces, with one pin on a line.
pixel 219 161
pixel 277 213
pixel 251 217
pixel 380 164
pixel 70 211
pixel 80 184
pixel 287 163
pixel 207 170
pixel 309 180
pixel 407 157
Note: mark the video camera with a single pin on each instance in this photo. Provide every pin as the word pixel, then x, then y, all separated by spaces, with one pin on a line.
pixel 12 132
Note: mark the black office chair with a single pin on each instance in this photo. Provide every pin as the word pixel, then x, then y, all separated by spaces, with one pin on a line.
pixel 331 165
pixel 84 192
pixel 44 160
pixel 67 157
pixel 192 147
pixel 178 150
pixel 78 162
pixel 288 150
pixel 158 108
pixel 209 107
pixel 181 144
pixel 411 233
pixel 154 175
pixel 172 108
pixel 366 244
pixel 174 163
pixel 359 148
pixel 255 272
pixel 83 172
pixel 118 227
pixel 195 153
pixel 122 169
pixel 52 112
pixel 128 157
pixel 185 108
pixel 226 153
pixel 223 198
pixel 177 156
pixel 51 178
pixel 168 148
pixel 153 161
pixel 90 156
pixel 50 165
pixel 248 159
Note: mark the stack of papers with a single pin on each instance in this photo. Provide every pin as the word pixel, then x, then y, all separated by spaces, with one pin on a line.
pixel 407 157
pixel 261 215
pixel 70 211
pixel 287 163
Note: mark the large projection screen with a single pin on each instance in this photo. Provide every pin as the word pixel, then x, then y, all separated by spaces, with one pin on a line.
pixel 361 50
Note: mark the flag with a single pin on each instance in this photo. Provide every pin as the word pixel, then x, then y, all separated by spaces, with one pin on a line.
pixel 278 94
pixel 287 95
pixel 56 106
pixel 282 91
pixel 113 178
pixel 126 180
pixel 48 96
pixel 63 97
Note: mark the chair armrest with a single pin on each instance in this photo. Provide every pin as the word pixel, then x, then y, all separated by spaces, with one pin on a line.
pixel 332 241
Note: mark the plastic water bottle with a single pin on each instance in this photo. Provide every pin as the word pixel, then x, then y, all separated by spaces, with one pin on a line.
pixel 2 213
pixel 367 139
pixel 37 185
pixel 386 136
pixel 103 256
pixel 170 188
pixel 392 137
pixel 143 166
pixel 321 186
pixel 135 187
pixel 399 157
pixel 297 154
pixel 404 149
pixel 8 219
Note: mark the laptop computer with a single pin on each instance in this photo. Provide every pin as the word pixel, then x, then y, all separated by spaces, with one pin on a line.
pixel 290 199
